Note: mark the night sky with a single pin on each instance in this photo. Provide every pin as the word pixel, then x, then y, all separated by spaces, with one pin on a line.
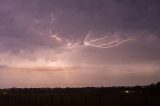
pixel 79 43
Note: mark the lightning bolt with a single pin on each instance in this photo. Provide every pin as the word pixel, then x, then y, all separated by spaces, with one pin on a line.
pixel 97 43
pixel 94 40
pixel 54 36
pixel 110 44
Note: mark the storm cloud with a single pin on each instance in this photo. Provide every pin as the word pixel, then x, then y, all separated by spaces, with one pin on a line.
pixel 25 41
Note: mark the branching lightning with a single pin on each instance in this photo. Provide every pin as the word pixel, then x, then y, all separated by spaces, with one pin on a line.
pixel 54 36
pixel 101 42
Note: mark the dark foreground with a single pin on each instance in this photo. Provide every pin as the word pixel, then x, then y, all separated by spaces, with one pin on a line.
pixel 113 96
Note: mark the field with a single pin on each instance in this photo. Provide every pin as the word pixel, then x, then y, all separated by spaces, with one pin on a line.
pixel 80 99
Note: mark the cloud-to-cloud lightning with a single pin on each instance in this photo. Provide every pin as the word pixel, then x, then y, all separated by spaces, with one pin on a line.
pixel 110 44
pixel 93 43
pixel 54 36
pixel 103 44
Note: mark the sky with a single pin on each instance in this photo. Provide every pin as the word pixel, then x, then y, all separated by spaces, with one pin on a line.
pixel 79 43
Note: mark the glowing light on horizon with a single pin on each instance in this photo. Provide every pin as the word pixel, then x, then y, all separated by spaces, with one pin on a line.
pixel 40 63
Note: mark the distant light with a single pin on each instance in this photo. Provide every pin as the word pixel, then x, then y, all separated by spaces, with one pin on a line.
pixel 127 91
pixel 4 93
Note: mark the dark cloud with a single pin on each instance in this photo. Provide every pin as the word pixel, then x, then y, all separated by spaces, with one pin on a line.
pixel 22 22
pixel 75 18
